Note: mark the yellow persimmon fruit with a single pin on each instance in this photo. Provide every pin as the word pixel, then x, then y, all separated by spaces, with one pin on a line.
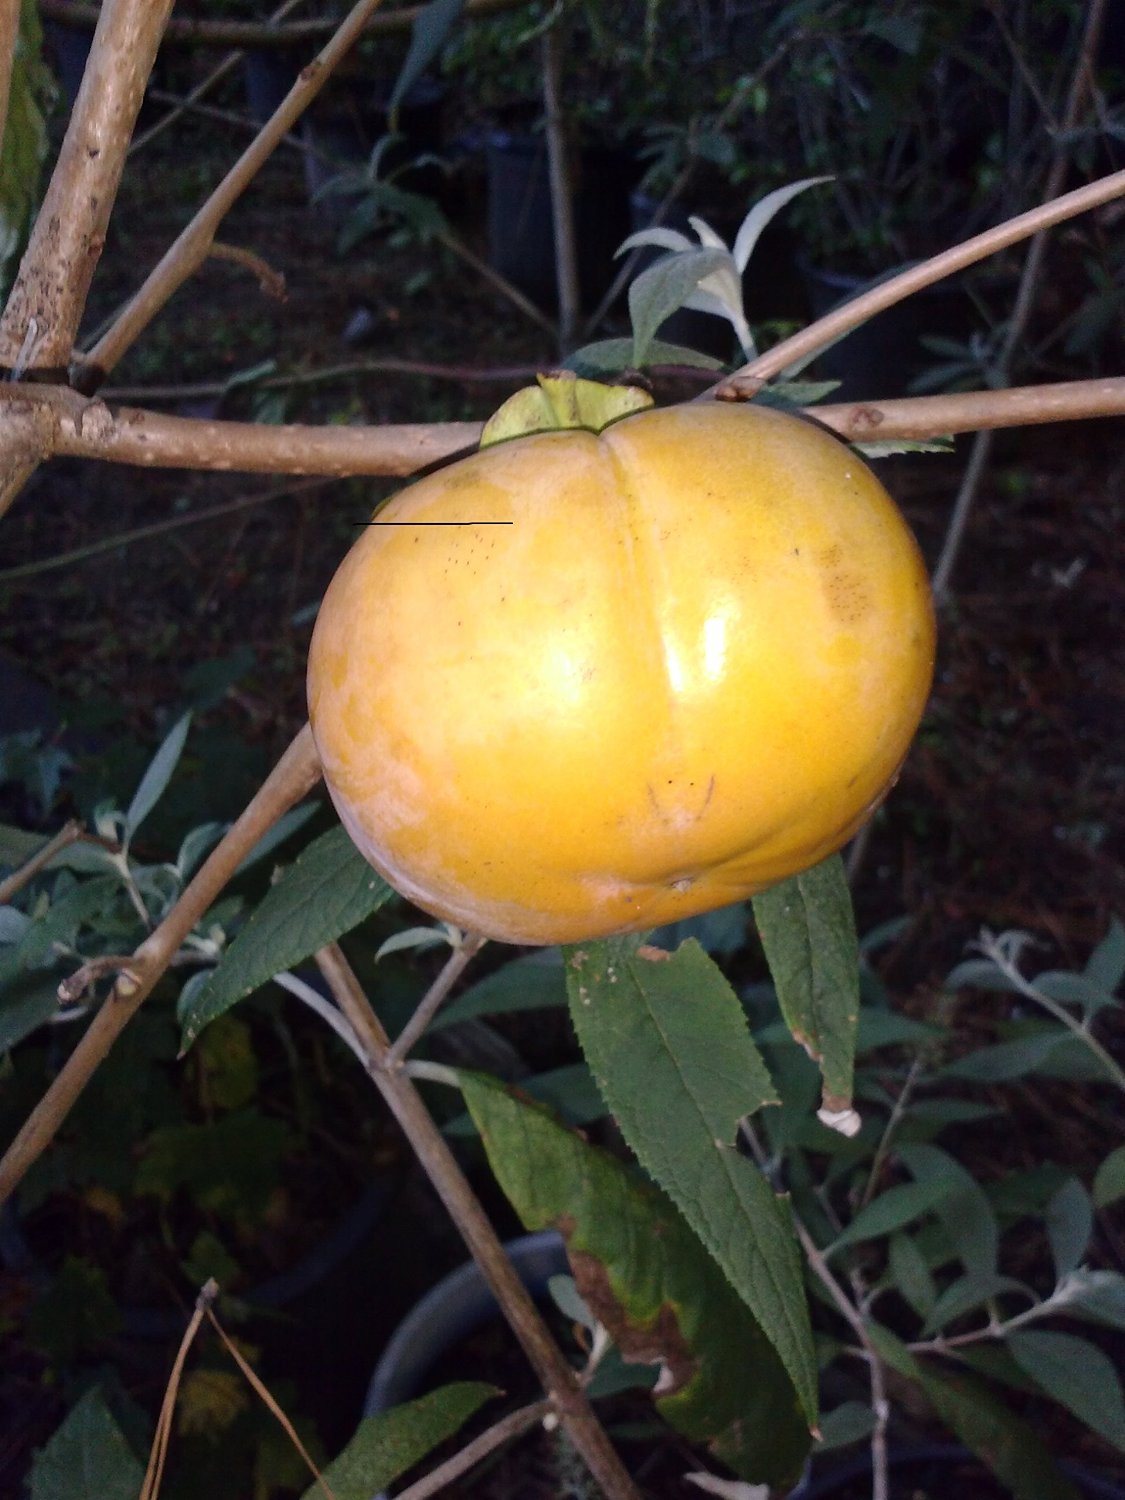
pixel 631 675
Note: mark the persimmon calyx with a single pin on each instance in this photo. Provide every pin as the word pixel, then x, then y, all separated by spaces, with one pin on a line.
pixel 560 402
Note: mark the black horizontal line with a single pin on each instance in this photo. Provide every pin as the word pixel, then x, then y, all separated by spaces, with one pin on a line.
pixel 433 523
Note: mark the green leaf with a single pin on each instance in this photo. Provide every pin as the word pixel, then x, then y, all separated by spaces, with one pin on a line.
pixel 606 356
pixel 387 1444
pixel 1097 1296
pixel 849 1423
pixel 155 780
pixel 969 1292
pixel 1008 1060
pixel 26 1003
pixel 432 26
pixel 1077 1375
pixel 663 288
pixel 87 1454
pixel 965 1211
pixel 1010 1447
pixel 1109 1179
pixel 911 1274
pixel 329 889
pixel 644 1275
pixel 534 982
pixel 1070 1223
pixel 669 1046
pixel 808 932
pixel 892 1209
pixel 1105 967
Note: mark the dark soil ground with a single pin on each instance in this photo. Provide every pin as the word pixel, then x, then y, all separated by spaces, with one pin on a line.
pixel 1009 813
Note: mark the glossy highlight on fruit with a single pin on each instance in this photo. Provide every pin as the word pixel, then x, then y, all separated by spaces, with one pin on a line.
pixel 688 664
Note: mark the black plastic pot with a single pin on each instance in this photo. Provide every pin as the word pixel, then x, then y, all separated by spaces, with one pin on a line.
pixel 930 1473
pixel 521 244
pixel 456 1307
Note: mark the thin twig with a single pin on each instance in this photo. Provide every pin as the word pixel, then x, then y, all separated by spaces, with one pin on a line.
pixel 68 834
pixel 826 330
pixel 852 1316
pixel 201 31
pixel 454 966
pixel 295 773
pixel 191 246
pixel 562 188
pixel 560 1381
pixel 224 66
pixel 324 1008
pixel 159 1451
pixel 514 1425
pixel 157 528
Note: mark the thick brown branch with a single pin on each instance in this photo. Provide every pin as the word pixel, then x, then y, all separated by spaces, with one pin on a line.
pixel 295 773
pixel 197 31
pixel 41 421
pixel 43 312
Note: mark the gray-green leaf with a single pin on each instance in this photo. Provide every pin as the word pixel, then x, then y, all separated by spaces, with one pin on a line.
pixel 87 1455
pixel 1077 1375
pixel 329 889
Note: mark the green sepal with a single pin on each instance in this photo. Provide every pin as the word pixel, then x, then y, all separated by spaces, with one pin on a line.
pixel 561 402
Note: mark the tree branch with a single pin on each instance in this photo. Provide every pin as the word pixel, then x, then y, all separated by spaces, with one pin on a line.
pixel 560 1381
pixel 192 245
pixel 39 422
pixel 826 330
pixel 46 303
pixel 200 32
pixel 296 772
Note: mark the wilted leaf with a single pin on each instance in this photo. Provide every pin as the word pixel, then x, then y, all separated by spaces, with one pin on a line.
pixel 209 1401
pixel 645 1276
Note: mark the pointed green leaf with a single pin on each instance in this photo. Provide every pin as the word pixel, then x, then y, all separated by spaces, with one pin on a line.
pixel 965 1211
pixel 645 1276
pixel 1070 1223
pixel 892 1209
pixel 911 1274
pixel 155 780
pixel 535 981
pixel 969 1292
pixel 669 1046
pixel 808 931
pixel 87 1455
pixel 849 1423
pixel 1109 1179
pixel 432 26
pixel 387 1444
pixel 1010 1447
pixel 1098 1296
pixel 1077 1375
pixel 658 292
pixel 329 889
pixel 1106 965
